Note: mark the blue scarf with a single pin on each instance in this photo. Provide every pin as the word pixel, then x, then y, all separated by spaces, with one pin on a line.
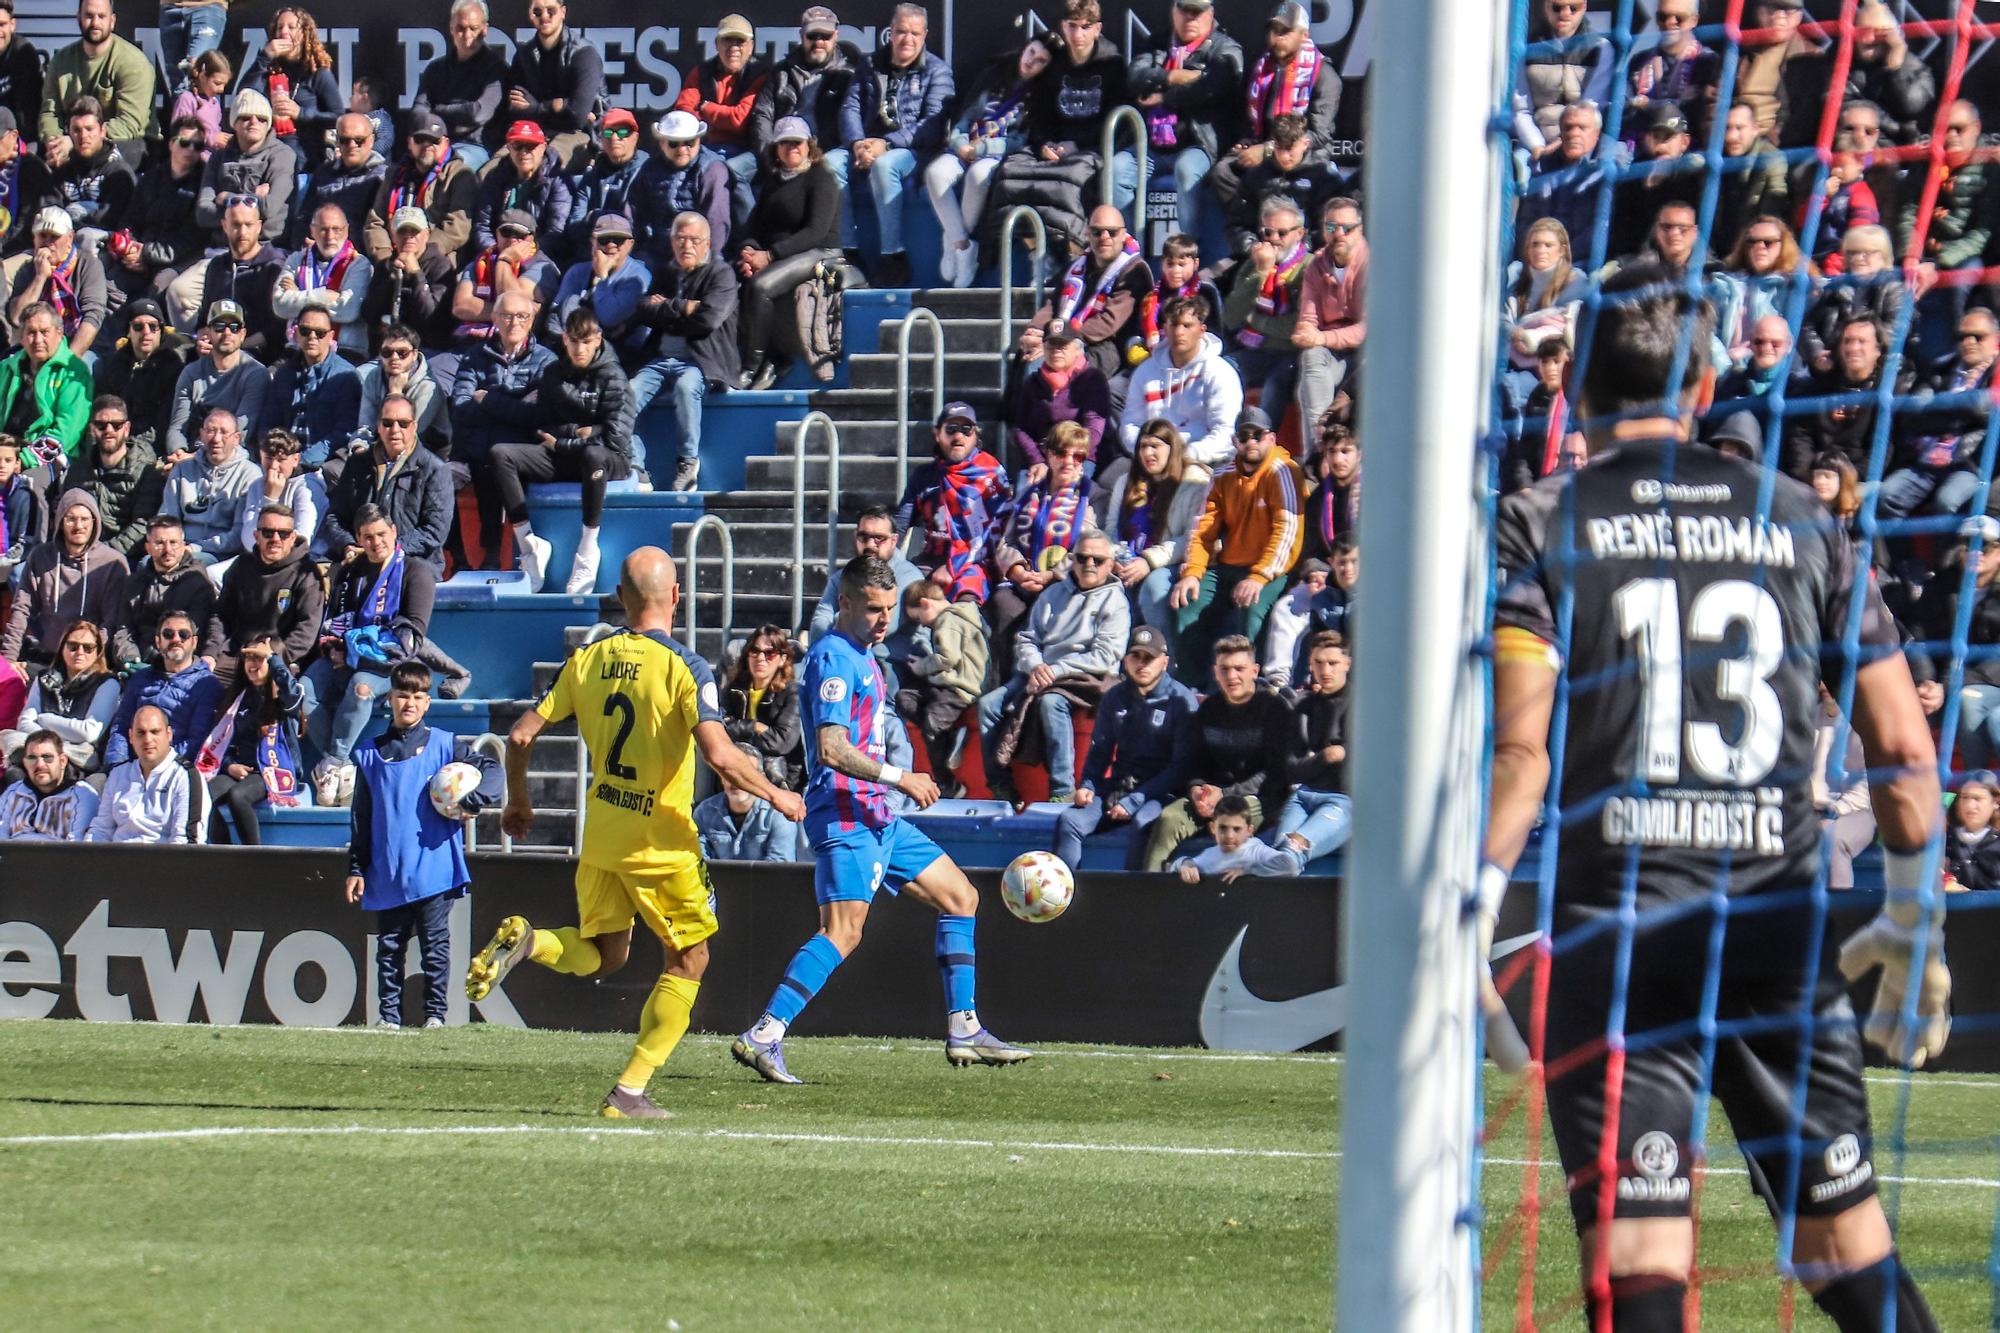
pixel 378 608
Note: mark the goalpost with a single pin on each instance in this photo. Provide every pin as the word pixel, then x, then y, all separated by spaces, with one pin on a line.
pixel 1408 1211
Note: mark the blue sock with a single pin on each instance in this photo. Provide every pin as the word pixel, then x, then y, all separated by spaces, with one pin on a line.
pixel 804 975
pixel 955 962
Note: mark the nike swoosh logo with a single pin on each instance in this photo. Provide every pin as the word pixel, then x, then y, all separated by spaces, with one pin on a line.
pixel 1235 1018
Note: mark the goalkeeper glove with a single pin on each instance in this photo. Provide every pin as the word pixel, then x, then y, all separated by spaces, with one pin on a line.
pixel 1503 1039
pixel 1888 942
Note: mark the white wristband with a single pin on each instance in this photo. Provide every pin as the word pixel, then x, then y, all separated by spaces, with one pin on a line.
pixel 890 776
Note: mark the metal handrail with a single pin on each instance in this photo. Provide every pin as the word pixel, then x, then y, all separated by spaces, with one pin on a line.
pixel 496 746
pixel 1039 231
pixel 917 315
pixel 804 430
pixel 1139 136
pixel 710 523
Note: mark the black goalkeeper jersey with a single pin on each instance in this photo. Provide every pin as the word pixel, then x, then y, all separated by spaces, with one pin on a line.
pixel 1694 629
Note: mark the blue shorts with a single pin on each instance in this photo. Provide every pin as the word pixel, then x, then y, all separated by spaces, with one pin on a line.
pixel 849 866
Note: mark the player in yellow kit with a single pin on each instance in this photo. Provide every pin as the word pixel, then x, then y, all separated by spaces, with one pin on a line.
pixel 644 704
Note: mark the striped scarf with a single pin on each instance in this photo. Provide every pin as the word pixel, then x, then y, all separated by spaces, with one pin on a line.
pixel 1274 298
pixel 1073 307
pixel 62 293
pixel 1161 121
pixel 1294 88
pixel 402 193
pixel 1046 522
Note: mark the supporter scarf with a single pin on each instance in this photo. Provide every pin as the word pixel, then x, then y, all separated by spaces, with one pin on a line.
pixel 1135 514
pixel 1336 509
pixel 958 516
pixel 379 607
pixel 1652 74
pixel 69 695
pixel 277 764
pixel 1552 435
pixel 1001 114
pixel 421 197
pixel 314 275
pixel 10 194
pixel 1046 522
pixel 62 293
pixel 484 265
pixel 1294 91
pixel 5 491
pixel 1057 380
pixel 1275 297
pixel 1149 309
pixel 1072 306
pixel 1161 122
pixel 279 84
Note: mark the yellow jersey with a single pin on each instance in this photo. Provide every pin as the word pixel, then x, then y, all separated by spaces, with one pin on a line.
pixel 636 704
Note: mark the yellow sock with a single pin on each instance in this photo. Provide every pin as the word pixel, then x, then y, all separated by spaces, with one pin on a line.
pixel 661 1026
pixel 565 950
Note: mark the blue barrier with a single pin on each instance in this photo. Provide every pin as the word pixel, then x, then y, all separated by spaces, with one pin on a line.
pixel 632 518
pixel 500 640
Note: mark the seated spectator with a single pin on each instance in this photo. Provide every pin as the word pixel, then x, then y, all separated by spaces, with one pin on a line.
pixel 294 72
pixel 1263 306
pixel 736 825
pixel 141 371
pixel 1869 284
pixel 1933 623
pixel 1235 851
pixel 94 182
pixel 1851 201
pixel 760 702
pixel 1568 178
pixel 583 417
pixel 1063 388
pixel 400 368
pixel 1333 314
pixel 71 576
pixel 351 177
pixel 406 482
pixel 27 180
pixel 680 178
pixel 514 262
pixel 875 534
pixel 526 178
pixel 412 287
pixel 1244 738
pixel 284 485
pixel 1839 489
pixel 225 376
pixel 1068 104
pixel 1316 820
pixel 1102 296
pixel 610 284
pixel 1972 850
pixel 1290 77
pixel 1846 424
pixel 315 395
pixel 274 589
pixel 73 699
pixel 1884 72
pixel 1762 279
pixel 20 74
pixel 253 164
pixel 169 579
pixel 1033 535
pixel 810 86
pixel 50 802
pixel 947 663
pixel 1960 227
pixel 794 228
pixel 1333 606
pixel 1180 275
pixel 329 274
pixel 246 274
pixel 1542 439
pixel 1846 817
pixel 893 118
pixel 1333 510
pixel 493 401
pixel 1938 470
pixel 1770 363
pixel 1188 86
pixel 721 92
pixel 1149 508
pixel 557 83
pixel 44 391
pixel 1138 751
pixel 164 238
pixel 609 184
pixel 1065 655
pixel 204 83
pixel 377 614
pixel 1566 62
pixel 461 89
pixel 1244 544
pixel 119 475
pixel 205 491
pixel 23 509
pixel 253 755
pixel 1763 190
pixel 991 124
pixel 1675 66
pixel 1284 174
pixel 431 176
pixel 690 318
pixel 109 67
pixel 1663 173
pixel 954 500
pixel 178 685
pixel 155 795
pixel 62 277
pixel 1544 292
pixel 1186 383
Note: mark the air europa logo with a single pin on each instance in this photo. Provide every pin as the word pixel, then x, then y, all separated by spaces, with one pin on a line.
pixel 1651 491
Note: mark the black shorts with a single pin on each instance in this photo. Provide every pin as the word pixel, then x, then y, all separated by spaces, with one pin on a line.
pixel 1779 1018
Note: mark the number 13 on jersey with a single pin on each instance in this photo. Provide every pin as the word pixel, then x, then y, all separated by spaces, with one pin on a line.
pixel 1649 612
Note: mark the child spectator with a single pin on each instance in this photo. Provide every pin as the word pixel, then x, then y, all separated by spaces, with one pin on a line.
pixel 1545 439
pixel 1972 853
pixel 209 79
pixel 1850 203
pixel 370 97
pixel 22 512
pixel 1180 275
pixel 949 664
pixel 405 861
pixel 1235 852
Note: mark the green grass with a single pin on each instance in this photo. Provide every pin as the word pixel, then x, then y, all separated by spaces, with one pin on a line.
pixel 889 1193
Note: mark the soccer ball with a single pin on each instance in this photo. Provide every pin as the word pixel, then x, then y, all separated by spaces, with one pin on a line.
pixel 1037 886
pixel 452 784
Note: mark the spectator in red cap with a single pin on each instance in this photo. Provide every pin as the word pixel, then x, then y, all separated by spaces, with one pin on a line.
pixel 720 92
pixel 608 184
pixel 557 81
pixel 528 179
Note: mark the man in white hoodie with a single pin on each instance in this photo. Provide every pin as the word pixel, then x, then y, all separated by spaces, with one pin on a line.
pixel 153 796
pixel 52 803
pixel 1187 382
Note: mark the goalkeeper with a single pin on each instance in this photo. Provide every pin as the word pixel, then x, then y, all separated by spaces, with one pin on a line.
pixel 1691 614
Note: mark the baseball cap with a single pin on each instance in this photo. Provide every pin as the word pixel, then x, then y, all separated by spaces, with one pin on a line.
pixel 680 127
pixel 1291 16
pixel 517 219
pixel 424 125
pixel 1253 417
pixel 1786 4
pixel 526 131
pixel 409 218
pixel 616 117
pixel 1060 331
pixel 957 411
pixel 222 311
pixel 1147 642
pixel 7 122
pixel 735 25
pixel 791 129
pixel 1666 116
pixel 55 221
pixel 611 224
pixel 818 19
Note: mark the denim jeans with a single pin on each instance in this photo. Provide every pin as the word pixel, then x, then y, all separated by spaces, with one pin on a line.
pixel 474 155
pixel 688 389
pixel 1322 818
pixel 186 34
pixel 1152 600
pixel 1078 822
pixel 429 921
pixel 1905 489
pixel 1058 741
pixel 1321 373
pixel 1979 724
pixel 1191 166
pixel 887 179
pixel 1275 366
pixel 837 161
pixel 346 700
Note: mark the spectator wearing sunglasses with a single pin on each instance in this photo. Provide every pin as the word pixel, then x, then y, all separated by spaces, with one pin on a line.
pixel 177 684
pixel 556 82
pixel 610 282
pixel 760 703
pixel 527 178
pixel 351 177
pixel 118 472
pixel 608 184
pixel 142 370
pixel 315 394
pixel 1566 63
pixel 51 802
pixel 162 237
pixel 274 590
pixel 76 698
pixel 254 164
pixel 224 375
pixel 72 576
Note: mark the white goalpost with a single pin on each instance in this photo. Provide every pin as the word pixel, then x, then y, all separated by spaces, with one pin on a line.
pixel 1408 1201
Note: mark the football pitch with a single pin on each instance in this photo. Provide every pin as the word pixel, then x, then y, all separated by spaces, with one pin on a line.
pixel 174 1177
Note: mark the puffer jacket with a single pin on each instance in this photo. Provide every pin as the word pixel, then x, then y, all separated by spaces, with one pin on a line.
pixel 127 493
pixel 351 191
pixel 546 197
pixel 146 386
pixel 780 746
pixel 596 395
pixel 57 589
pixel 1205 111
pixel 904 108
pixel 162 217
pixel 603 188
pixel 230 171
pixel 798 89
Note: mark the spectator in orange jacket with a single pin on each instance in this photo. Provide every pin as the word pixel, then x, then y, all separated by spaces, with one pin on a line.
pixel 720 92
pixel 1332 318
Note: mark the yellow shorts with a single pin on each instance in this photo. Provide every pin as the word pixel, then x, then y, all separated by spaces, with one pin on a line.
pixel 676 905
